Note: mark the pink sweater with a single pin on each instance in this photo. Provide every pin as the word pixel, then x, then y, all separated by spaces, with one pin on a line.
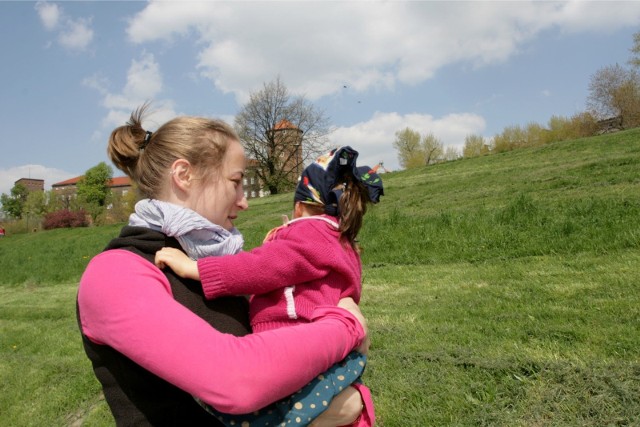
pixel 126 303
pixel 302 265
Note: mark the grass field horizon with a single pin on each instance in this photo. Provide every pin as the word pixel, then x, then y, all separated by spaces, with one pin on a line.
pixel 500 291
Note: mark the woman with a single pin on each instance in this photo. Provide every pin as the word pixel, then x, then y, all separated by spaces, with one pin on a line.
pixel 153 339
pixel 310 261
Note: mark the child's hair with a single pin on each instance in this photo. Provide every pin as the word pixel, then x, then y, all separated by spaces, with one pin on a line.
pixel 353 205
pixel 147 156
pixel 333 185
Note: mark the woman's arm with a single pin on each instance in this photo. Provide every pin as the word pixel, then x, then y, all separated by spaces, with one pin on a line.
pixel 131 309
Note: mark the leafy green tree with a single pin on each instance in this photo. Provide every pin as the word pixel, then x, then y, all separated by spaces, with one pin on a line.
pixel 36 203
pixel 407 144
pixel 416 150
pixel 535 134
pixel 474 146
pixel 627 99
pixel 93 188
pixel 13 205
pixel 559 129
pixel 582 125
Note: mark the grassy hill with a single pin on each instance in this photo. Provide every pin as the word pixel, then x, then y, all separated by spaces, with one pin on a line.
pixel 500 291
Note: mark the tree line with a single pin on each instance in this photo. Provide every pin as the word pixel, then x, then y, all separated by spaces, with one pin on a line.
pixel 614 91
pixel 614 94
pixel 92 203
pixel 280 133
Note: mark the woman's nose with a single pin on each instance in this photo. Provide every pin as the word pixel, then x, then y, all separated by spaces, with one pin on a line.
pixel 243 204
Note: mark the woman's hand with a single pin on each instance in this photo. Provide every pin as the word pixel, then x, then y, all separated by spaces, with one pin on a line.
pixel 350 305
pixel 344 409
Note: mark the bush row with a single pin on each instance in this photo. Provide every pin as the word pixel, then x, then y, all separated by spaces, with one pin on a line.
pixel 65 219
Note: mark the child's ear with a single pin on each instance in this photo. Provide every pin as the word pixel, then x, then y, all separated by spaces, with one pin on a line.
pixel 298 210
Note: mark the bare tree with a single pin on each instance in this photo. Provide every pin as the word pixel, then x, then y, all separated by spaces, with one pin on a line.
pixel 432 149
pixel 615 92
pixel 635 51
pixel 450 154
pixel 281 133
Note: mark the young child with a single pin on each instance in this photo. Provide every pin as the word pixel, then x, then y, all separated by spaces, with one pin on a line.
pixel 310 261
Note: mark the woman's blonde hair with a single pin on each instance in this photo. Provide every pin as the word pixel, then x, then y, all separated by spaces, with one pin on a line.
pixel 146 157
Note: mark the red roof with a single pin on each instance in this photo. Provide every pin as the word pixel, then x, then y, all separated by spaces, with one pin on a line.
pixel 119 181
pixel 285 124
pixel 70 181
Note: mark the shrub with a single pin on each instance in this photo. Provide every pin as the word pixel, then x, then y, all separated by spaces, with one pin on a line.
pixel 65 219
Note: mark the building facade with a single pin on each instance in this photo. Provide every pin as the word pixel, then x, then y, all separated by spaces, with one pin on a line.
pixel 252 184
pixel 31 184
pixel 288 151
pixel 67 190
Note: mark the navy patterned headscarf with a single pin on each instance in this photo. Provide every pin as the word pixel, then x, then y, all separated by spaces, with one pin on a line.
pixel 318 182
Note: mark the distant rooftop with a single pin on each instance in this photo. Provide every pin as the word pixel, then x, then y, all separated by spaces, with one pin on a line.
pixel 119 181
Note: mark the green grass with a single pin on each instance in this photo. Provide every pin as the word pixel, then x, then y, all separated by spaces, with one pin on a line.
pixel 500 291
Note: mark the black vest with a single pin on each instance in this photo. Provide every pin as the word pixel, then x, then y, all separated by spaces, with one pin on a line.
pixel 135 396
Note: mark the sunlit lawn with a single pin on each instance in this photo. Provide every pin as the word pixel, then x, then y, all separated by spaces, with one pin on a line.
pixel 500 291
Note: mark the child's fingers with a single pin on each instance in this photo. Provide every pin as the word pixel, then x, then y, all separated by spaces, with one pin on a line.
pixel 159 262
pixel 160 259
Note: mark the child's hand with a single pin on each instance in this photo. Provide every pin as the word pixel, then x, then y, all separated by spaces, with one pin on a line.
pixel 179 262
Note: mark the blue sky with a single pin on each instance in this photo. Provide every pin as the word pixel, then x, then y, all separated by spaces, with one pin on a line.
pixel 73 71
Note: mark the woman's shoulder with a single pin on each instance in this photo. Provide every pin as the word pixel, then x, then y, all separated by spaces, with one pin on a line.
pixel 111 259
pixel 119 266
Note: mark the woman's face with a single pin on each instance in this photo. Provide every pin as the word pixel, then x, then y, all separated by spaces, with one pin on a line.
pixel 222 197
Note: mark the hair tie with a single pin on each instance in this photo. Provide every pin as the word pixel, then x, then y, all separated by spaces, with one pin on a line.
pixel 147 138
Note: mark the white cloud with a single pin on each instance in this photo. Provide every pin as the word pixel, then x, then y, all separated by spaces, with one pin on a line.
pixel 171 18
pixel 316 47
pixel 144 83
pixel 98 82
pixel 374 138
pixel 49 14
pixel 8 177
pixel 73 34
pixel 77 34
pixel 605 16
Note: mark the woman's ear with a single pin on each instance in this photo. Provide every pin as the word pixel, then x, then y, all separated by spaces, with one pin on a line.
pixel 181 174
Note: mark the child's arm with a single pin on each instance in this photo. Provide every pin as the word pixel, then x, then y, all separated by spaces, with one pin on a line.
pixel 179 262
pixel 298 258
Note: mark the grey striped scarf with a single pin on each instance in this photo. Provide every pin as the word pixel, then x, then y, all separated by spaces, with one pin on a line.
pixel 198 236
